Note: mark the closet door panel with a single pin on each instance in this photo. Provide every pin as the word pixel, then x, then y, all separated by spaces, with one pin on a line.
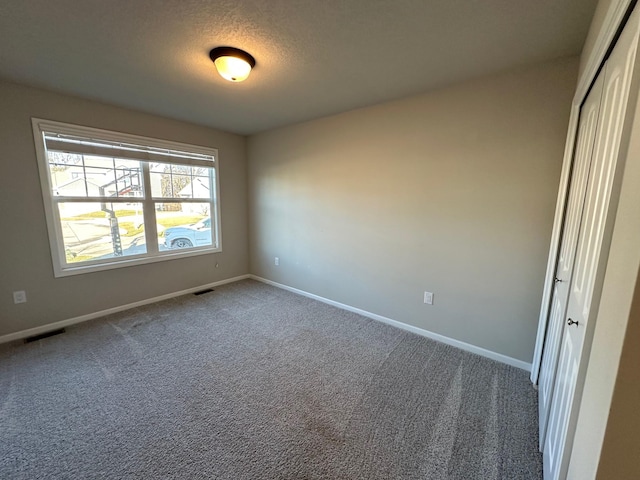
pixel 573 215
pixel 592 251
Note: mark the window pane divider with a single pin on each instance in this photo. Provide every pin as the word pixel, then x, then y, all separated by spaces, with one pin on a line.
pixel 60 199
pixel 181 200
pixel 148 207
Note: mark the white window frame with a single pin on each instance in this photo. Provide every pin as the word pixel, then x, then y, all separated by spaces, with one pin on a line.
pixel 54 226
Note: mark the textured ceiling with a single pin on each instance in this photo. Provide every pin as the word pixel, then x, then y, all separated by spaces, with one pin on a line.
pixel 314 57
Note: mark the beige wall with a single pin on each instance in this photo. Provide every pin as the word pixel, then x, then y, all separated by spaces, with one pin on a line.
pixel 620 457
pixel 25 258
pixel 597 23
pixel 451 191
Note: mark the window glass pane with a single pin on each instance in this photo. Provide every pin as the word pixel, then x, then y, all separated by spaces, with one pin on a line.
pixel 64 168
pixel 161 186
pixel 128 178
pixel 180 181
pixel 183 225
pixel 96 231
pixel 182 187
pixel 67 174
pixel 100 182
pixel 181 170
pixel 201 187
pixel 88 175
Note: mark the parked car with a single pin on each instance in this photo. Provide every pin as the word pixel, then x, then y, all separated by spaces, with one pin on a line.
pixel 186 236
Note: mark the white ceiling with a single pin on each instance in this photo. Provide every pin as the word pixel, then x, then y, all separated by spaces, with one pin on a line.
pixel 314 57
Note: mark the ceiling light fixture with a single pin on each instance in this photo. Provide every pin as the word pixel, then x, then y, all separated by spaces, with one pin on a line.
pixel 233 64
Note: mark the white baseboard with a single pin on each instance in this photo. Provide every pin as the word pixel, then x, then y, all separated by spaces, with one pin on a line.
pixel 425 333
pixel 420 331
pixel 90 316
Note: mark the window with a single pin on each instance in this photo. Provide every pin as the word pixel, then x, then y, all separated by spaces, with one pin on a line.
pixel 114 200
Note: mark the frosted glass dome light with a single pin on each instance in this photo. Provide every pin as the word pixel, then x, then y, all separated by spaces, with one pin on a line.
pixel 232 64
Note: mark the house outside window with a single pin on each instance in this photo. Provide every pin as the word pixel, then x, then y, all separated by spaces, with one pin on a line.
pixel 114 200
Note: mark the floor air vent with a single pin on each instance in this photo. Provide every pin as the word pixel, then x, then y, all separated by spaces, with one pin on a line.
pixel 35 338
pixel 203 291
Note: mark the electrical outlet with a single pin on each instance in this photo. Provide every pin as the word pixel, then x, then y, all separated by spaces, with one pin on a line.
pixel 20 296
pixel 428 298
pixel 276 261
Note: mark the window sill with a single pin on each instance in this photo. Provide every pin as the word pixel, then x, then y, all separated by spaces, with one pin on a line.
pixel 70 270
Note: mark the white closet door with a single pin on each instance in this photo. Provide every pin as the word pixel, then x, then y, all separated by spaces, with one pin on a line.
pixel 591 253
pixel 566 255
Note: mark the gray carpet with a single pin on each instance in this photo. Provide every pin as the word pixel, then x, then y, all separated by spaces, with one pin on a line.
pixel 253 382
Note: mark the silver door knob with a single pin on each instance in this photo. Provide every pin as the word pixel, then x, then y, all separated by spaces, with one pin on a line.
pixel 556 280
pixel 572 322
